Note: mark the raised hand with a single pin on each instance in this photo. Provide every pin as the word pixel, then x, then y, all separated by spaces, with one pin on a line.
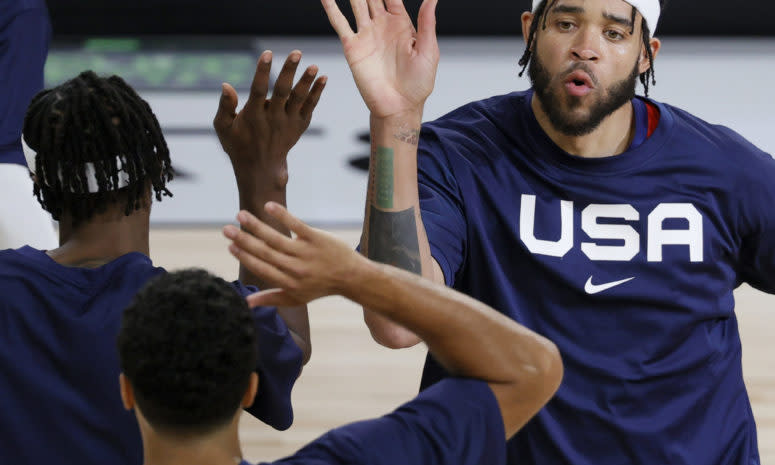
pixel 393 64
pixel 311 265
pixel 258 138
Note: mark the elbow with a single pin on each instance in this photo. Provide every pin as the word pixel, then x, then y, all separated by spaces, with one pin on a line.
pixel 394 339
pixel 549 370
pixel 389 334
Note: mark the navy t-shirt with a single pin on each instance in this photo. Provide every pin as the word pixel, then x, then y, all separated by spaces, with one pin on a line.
pixel 59 393
pixel 25 33
pixel 627 263
pixel 455 422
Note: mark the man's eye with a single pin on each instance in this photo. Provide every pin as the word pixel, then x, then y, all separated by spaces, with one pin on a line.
pixel 614 35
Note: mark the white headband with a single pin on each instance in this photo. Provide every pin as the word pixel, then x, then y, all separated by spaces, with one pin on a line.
pixel 91 176
pixel 649 9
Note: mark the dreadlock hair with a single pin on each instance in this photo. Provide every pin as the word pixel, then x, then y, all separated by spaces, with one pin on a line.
pixel 646 78
pixel 95 127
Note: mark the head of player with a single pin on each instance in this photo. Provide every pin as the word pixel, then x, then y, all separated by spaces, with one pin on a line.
pixel 187 348
pixel 98 150
pixel 585 57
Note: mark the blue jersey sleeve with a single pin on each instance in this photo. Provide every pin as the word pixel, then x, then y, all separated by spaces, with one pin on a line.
pixel 457 421
pixel 440 205
pixel 25 33
pixel 757 218
pixel 279 365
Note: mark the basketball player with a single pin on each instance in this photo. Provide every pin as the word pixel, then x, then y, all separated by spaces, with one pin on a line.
pixel 25 33
pixel 188 405
pixel 615 225
pixel 101 157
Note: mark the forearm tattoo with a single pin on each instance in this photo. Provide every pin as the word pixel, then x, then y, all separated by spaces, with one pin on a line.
pixel 393 239
pixel 406 134
pixel 383 177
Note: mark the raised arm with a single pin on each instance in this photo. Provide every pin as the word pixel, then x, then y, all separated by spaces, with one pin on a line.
pixel 257 140
pixel 394 67
pixel 467 337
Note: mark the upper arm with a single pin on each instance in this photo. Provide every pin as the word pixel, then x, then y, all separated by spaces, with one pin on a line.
pixel 441 207
pixel 757 218
pixel 280 359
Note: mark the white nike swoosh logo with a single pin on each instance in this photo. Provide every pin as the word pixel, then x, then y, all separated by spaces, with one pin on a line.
pixel 595 288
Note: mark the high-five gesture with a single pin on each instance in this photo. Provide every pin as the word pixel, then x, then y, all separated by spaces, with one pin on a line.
pixel 393 64
pixel 261 134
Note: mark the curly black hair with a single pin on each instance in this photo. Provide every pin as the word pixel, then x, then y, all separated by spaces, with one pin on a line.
pixel 85 126
pixel 646 78
pixel 188 346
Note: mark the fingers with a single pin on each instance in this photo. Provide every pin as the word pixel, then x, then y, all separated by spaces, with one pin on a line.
pixel 301 90
pixel 273 298
pixel 313 98
pixel 227 107
pixel 259 88
pixel 259 267
pixel 395 6
pixel 361 12
pixel 266 234
pixel 286 219
pixel 376 7
pixel 337 19
pixel 284 83
pixel 426 28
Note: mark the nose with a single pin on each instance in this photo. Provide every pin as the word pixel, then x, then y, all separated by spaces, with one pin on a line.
pixel 585 47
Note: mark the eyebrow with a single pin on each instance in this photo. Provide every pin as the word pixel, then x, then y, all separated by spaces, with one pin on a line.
pixel 578 10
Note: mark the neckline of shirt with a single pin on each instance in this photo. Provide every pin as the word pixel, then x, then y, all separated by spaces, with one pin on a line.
pixel 546 152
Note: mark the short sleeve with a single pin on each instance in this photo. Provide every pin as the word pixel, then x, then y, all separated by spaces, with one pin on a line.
pixel 440 205
pixel 279 365
pixel 456 421
pixel 24 42
pixel 757 217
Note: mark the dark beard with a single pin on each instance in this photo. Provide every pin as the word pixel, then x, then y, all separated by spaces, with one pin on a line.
pixel 552 104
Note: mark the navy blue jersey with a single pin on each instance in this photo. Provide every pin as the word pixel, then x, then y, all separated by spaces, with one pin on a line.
pixel 455 422
pixel 628 263
pixel 25 33
pixel 59 392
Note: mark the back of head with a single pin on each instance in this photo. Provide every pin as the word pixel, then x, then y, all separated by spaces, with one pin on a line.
pixel 97 144
pixel 187 346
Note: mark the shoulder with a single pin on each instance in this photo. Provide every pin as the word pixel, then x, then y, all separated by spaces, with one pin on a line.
pixel 718 144
pixel 454 421
pixel 477 130
pixel 483 115
pixel 9 9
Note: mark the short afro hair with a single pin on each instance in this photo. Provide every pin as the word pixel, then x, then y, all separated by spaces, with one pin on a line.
pixel 188 346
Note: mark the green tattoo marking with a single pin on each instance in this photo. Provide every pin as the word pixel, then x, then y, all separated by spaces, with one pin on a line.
pixel 384 177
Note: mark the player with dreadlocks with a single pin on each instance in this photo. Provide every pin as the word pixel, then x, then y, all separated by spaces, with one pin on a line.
pixel 615 225
pixel 99 159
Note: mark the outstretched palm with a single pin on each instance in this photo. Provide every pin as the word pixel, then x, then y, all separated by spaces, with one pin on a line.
pixel 394 66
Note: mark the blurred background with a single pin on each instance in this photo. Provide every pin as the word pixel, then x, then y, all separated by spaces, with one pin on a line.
pixel 717 61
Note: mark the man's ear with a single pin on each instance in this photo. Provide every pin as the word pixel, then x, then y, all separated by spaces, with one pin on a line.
pixel 251 391
pixel 643 63
pixel 527 21
pixel 127 394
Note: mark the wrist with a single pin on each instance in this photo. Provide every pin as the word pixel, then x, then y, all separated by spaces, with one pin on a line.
pixel 258 176
pixel 358 277
pixel 407 117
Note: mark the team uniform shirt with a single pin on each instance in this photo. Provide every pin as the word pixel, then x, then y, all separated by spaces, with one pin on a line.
pixel 627 263
pixel 59 391
pixel 25 33
pixel 457 421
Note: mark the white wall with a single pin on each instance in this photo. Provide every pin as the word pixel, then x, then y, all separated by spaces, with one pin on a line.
pixel 727 81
